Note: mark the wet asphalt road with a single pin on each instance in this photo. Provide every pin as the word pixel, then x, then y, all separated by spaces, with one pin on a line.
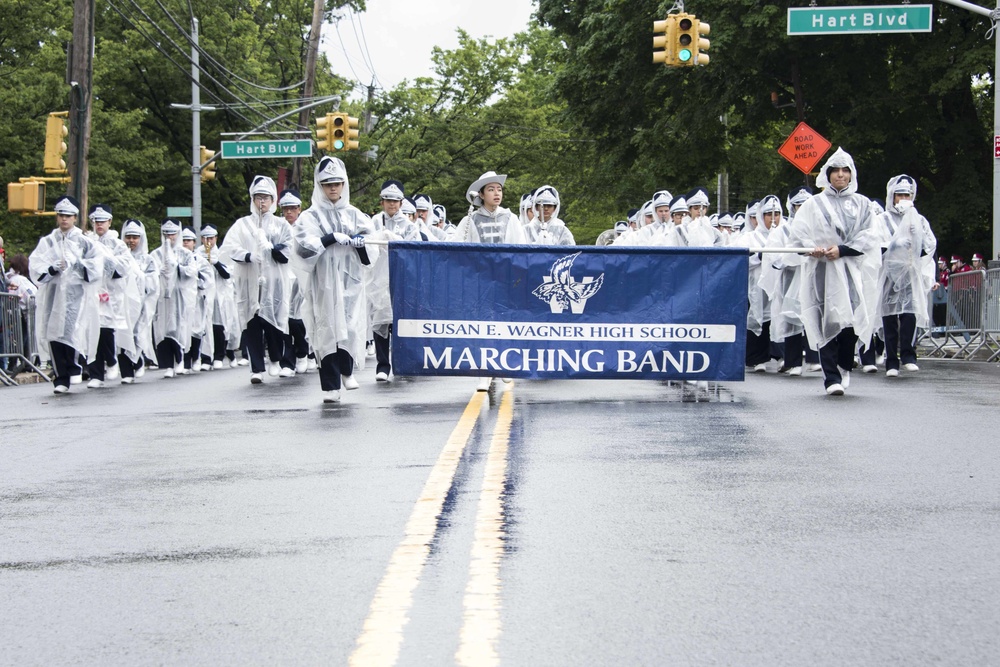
pixel 202 521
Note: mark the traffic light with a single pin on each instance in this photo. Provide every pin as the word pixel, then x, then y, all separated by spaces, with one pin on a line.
pixel 681 36
pixel 690 40
pixel 324 124
pixel 26 197
pixel 55 142
pixel 662 36
pixel 208 171
pixel 345 132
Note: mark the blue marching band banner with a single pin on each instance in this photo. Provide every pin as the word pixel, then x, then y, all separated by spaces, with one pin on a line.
pixel 547 312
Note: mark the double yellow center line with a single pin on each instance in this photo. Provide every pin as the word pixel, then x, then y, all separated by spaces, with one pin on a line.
pixel 382 634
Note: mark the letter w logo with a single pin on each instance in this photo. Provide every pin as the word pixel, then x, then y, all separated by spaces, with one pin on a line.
pixel 561 290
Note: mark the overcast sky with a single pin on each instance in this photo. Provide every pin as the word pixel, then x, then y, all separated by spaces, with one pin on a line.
pixel 401 33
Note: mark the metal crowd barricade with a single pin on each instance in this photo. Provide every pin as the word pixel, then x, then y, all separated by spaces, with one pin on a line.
pixel 991 315
pixel 964 332
pixel 17 338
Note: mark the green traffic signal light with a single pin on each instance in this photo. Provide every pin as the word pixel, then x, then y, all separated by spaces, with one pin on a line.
pixel 684 40
pixel 338 145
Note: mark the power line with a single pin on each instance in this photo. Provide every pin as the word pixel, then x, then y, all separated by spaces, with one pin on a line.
pixel 215 62
pixel 183 69
pixel 343 47
pixel 201 69
pixel 197 47
pixel 370 63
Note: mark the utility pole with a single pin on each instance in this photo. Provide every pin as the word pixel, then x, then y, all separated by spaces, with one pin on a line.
pixel 81 77
pixel 195 131
pixel 368 107
pixel 311 54
pixel 196 108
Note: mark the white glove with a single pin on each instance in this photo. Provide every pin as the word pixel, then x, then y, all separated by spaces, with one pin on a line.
pixel 358 242
pixel 341 238
pixel 61 265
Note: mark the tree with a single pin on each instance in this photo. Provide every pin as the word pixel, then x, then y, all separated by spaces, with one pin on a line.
pixel 898 103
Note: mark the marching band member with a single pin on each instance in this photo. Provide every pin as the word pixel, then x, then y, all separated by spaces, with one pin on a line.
pixel 258 245
pixel 201 316
pixel 839 276
pixel 390 225
pixel 117 288
pixel 330 256
pixel 68 268
pixel 147 288
pixel 225 319
pixel 906 276
pixel 177 297
pixel 545 227
pixel 296 355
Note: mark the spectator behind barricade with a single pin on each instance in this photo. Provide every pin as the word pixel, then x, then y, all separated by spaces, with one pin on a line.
pixel 977 263
pixel 18 281
pixel 20 284
pixel 3 277
pixel 958 264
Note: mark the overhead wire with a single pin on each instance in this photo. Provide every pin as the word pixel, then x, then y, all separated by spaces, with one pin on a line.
pixel 215 62
pixel 343 47
pixel 197 47
pixel 184 70
pixel 364 49
pixel 188 57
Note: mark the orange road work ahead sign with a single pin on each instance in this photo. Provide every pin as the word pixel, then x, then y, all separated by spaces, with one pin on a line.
pixel 804 147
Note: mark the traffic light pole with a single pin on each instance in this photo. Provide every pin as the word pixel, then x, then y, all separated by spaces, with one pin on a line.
pixel 994 16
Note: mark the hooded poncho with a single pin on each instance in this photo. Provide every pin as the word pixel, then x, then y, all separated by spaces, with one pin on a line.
pixel 333 277
pixel 147 288
pixel 262 284
pixel 552 231
pixel 907 272
pixel 178 291
pixel 837 294
pixel 66 310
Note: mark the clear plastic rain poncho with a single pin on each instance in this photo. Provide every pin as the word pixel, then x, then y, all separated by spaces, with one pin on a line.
pixel 178 289
pixel 842 293
pixel 389 228
pixel 547 232
pixel 630 235
pixel 907 272
pixel 119 294
pixel 526 205
pixel 66 309
pixel 759 310
pixel 201 314
pixel 658 232
pixel 263 285
pixel 336 307
pixel 781 284
pixel 147 286
pixel 483 226
pixel 697 232
pixel 224 311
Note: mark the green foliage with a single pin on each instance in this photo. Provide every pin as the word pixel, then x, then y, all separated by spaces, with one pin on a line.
pixel 140 156
pixel 901 103
pixel 574 101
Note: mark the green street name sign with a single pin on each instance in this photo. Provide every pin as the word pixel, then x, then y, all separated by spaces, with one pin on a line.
pixel 270 148
pixel 859 20
pixel 179 212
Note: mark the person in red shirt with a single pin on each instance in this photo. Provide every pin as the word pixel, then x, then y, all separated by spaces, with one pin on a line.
pixel 958 264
